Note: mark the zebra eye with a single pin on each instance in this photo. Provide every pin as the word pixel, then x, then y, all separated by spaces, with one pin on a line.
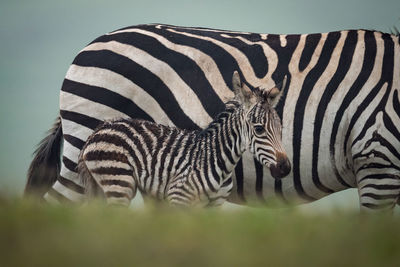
pixel 259 129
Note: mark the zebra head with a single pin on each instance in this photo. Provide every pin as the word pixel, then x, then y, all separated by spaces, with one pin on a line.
pixel 263 127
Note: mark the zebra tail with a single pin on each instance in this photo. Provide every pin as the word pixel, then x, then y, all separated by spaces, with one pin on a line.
pixel 45 166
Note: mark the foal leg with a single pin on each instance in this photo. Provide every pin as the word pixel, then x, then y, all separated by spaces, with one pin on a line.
pixel 180 192
pixel 115 180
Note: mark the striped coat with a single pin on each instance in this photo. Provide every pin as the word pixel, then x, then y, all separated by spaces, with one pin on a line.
pixel 340 110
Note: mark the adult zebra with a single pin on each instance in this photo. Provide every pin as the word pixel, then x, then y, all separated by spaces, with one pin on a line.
pixel 340 110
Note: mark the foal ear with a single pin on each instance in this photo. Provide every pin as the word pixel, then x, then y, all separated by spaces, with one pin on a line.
pixel 242 91
pixel 274 94
pixel 236 83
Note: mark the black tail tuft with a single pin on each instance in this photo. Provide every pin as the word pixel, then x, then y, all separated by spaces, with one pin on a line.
pixel 45 166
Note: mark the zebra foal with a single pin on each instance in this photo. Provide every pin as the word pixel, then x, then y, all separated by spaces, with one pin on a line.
pixel 179 166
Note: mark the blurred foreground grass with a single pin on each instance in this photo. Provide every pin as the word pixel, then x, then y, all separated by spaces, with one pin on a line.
pixel 41 235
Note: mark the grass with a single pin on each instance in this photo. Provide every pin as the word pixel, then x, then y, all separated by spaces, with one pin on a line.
pixel 42 235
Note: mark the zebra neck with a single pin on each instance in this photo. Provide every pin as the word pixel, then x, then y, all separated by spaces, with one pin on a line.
pixel 221 145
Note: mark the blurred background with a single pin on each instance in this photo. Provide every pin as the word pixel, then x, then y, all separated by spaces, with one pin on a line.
pixel 39 39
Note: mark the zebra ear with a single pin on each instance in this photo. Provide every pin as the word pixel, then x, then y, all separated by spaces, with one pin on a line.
pixel 274 94
pixel 236 83
pixel 242 92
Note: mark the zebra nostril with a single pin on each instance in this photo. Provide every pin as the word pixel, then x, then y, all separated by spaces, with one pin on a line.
pixel 286 167
pixel 281 169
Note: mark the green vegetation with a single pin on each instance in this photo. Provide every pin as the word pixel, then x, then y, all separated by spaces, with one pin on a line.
pixel 41 235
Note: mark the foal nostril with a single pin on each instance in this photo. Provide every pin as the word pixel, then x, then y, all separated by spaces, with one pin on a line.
pixel 282 167
pixel 285 167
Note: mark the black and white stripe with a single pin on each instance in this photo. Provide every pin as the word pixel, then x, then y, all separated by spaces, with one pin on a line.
pixel 342 94
pixel 179 166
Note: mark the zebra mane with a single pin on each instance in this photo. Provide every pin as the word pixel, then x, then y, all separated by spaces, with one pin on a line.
pixel 230 107
pixel 395 31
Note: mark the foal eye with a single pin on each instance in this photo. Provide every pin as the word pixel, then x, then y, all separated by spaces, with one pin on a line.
pixel 259 129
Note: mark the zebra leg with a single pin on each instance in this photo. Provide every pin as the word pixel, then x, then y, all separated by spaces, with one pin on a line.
pixel 176 197
pixel 179 193
pixel 117 190
pixel 67 188
pixel 378 177
pixel 185 192
pixel 379 191
pixel 117 183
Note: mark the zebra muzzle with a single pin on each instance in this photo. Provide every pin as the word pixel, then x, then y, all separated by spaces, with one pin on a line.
pixel 282 168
